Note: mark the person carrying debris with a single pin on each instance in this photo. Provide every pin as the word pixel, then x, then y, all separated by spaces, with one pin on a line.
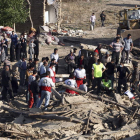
pixel 128 46
pixel 45 84
pixel 6 84
pixel 97 70
pixel 92 20
pixel 117 48
pixel 103 18
pixel 56 57
pixel 30 80
pixel 72 83
pixel 84 86
pixel 106 85
pixel 122 76
pixel 52 72
pixel 35 90
pixel 80 74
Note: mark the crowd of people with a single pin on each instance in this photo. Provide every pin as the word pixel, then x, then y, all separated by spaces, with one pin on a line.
pixel 39 77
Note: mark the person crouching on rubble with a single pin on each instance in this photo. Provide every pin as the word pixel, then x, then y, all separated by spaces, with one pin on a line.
pixel 84 86
pixel 72 83
pixel 80 74
pixel 106 85
pixel 45 85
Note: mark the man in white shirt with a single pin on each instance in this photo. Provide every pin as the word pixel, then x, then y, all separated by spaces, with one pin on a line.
pixel 72 83
pixel 80 75
pixel 56 57
pixel 45 84
pixel 92 20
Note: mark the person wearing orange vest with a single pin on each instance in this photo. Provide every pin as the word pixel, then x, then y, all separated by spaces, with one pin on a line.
pixel 30 80
pixel 45 85
pixel 52 71
pixel 72 83
pixel 97 70
pixel 80 75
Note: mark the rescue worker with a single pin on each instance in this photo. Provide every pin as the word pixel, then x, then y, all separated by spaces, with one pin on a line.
pixel 6 84
pixel 128 46
pixel 30 80
pixel 117 49
pixel 43 68
pixel 52 72
pixel 110 69
pixel 106 85
pixel 92 60
pixel 56 57
pixel 97 70
pixel 80 75
pixel 122 77
pixel 84 86
pixel 98 51
pixel 45 85
pixel 72 83
pixel 35 90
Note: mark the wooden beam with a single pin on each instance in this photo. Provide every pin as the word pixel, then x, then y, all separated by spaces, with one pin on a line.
pixel 62 75
pixel 57 94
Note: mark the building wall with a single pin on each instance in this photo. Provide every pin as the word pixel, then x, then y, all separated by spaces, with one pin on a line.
pixel 37 13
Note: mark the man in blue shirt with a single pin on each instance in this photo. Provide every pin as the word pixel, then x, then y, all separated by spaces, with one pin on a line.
pixel 128 45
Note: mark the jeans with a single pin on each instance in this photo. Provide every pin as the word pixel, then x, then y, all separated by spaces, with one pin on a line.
pixel 36 100
pixel 92 26
pixel 127 54
pixel 102 23
pixel 46 95
pixel 97 81
pixel 31 51
pixel 115 57
pixel 22 77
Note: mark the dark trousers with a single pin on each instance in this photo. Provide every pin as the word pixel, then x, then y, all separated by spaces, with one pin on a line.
pixel 115 57
pixel 56 68
pixel 102 23
pixel 127 54
pixel 36 100
pixel 5 92
pixel 22 77
pixel 111 77
pixel 6 50
pixel 12 53
pixel 70 67
pixel 18 54
pixel 97 81
pixel 122 82
pixel 36 56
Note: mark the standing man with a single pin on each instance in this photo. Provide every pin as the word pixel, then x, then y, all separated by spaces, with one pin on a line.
pixel 23 69
pixel 23 46
pixel 41 63
pixel 92 20
pixel 103 18
pixel 128 46
pixel 43 68
pixel 36 48
pixel 45 84
pixel 97 70
pixel 80 75
pixel 117 48
pixel 122 77
pixel 52 72
pixel 72 83
pixel 56 57
pixel 6 84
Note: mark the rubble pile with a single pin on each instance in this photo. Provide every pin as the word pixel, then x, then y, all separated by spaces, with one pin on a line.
pixel 86 116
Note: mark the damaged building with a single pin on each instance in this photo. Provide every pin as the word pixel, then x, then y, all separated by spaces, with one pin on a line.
pixel 42 12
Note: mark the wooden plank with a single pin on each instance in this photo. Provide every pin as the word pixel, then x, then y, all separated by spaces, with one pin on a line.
pixel 88 121
pixel 62 75
pixel 57 94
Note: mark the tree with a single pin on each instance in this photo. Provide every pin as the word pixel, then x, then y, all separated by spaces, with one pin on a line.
pixel 12 12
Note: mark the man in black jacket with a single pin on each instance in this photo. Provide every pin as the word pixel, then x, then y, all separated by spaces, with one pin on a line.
pixel 103 16
pixel 35 90
pixel 6 84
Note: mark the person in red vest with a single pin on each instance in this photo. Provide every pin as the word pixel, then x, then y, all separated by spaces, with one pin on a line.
pixel 45 84
pixel 98 50
pixel 30 80
pixel 72 83
pixel 52 71
pixel 80 75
